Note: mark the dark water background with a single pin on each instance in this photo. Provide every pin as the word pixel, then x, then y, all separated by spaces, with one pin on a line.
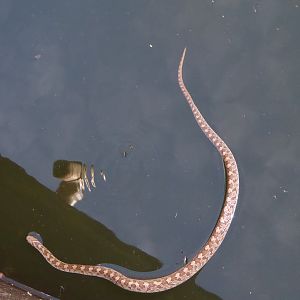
pixel 84 80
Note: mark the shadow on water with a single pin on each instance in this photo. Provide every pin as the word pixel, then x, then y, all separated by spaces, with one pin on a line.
pixel 73 237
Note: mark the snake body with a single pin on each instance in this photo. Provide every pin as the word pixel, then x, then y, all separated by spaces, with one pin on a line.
pixel 204 254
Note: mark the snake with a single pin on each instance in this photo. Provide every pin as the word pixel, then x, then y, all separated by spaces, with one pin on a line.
pixel 206 252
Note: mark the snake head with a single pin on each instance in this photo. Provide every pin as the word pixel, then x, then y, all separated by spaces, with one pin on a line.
pixel 34 237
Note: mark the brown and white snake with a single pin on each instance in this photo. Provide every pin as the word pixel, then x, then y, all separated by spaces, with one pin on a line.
pixel 205 253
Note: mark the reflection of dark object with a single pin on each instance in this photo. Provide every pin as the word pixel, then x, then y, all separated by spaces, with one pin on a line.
pixel 12 289
pixel 70 192
pixel 74 178
pixel 67 170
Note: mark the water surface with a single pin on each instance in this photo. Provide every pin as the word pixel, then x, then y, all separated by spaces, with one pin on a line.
pixel 89 81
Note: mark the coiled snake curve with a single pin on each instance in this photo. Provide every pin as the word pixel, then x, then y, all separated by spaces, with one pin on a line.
pixel 205 253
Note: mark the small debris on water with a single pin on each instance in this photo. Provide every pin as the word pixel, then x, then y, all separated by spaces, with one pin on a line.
pixel 102 174
pixel 126 152
pixel 38 56
pixel 284 190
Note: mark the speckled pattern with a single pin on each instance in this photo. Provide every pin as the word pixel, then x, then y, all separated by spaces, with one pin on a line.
pixel 205 253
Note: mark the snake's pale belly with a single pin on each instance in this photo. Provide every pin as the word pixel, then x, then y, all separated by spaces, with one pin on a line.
pixel 205 253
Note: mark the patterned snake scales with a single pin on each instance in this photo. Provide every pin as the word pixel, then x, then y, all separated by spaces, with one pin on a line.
pixel 205 253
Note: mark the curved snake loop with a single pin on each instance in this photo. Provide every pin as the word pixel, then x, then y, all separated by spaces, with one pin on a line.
pixel 204 254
